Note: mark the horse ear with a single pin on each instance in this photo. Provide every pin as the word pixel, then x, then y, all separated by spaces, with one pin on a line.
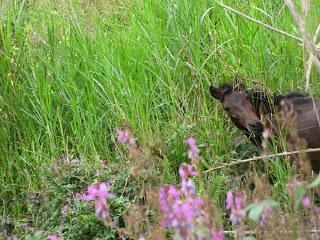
pixel 238 83
pixel 277 98
pixel 215 92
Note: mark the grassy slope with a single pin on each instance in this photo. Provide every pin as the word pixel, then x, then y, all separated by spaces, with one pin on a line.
pixel 71 74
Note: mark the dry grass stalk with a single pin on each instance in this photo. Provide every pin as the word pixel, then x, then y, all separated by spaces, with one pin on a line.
pixel 258 22
pixel 308 42
pixel 262 157
pixel 254 232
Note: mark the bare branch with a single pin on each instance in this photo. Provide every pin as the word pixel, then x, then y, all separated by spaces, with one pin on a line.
pixel 254 232
pixel 300 21
pixel 262 157
pixel 260 23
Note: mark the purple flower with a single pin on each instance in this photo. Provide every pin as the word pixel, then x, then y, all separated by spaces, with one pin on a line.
pixel 186 171
pixel 315 209
pixel 237 213
pixel 54 237
pixel 236 216
pixel 64 213
pixel 306 202
pixel 191 141
pixel 64 210
pixel 25 226
pixel 178 213
pixel 238 202
pixel 257 201
pixel 102 210
pixel 182 209
pixel 12 238
pixel 167 194
pixel 188 209
pixel 194 151
pixel 217 234
pixel 123 136
pixel 98 190
pixel 264 217
pixel 173 192
pixel 229 200
pixel 187 187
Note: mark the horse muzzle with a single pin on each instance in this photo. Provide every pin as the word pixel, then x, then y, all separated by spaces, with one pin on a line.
pixel 256 128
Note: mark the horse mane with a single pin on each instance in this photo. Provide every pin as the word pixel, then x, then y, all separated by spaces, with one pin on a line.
pixel 271 101
pixel 294 97
pixel 261 99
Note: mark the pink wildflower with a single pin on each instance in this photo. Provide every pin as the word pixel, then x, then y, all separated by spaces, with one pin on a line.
pixel 217 234
pixel 123 136
pixel 173 192
pixel 101 192
pixel 186 171
pixel 187 187
pixel 54 237
pixel 257 201
pixel 98 190
pixel 229 200
pixel 12 238
pixel 238 202
pixel 194 151
pixel 264 217
pixel 237 216
pixel 237 213
pixel 102 210
pixel 167 195
pixel 306 202
pixel 64 213
pixel 178 213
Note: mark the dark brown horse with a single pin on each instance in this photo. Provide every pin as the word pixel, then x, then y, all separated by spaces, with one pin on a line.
pixel 246 108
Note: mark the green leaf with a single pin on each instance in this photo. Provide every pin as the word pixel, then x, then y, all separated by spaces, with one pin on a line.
pixel 177 237
pixel 255 210
pixel 315 182
pixel 249 238
pixel 200 233
pixel 250 206
pixel 300 192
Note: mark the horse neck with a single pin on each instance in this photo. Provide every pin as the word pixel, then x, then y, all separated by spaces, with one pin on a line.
pixel 263 104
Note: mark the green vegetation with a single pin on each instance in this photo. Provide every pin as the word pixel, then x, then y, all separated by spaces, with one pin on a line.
pixel 71 72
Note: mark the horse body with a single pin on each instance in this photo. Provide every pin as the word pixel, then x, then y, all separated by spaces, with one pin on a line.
pixel 245 109
pixel 308 129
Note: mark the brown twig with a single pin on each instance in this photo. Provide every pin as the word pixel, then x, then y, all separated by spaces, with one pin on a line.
pixel 253 232
pixel 300 21
pixel 261 157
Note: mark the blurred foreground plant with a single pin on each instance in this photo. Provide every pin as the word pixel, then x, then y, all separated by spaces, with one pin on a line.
pixel 179 211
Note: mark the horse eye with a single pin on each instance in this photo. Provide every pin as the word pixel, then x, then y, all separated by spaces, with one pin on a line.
pixel 227 109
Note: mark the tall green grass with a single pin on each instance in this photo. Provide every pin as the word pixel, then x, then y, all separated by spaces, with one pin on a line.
pixel 71 73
